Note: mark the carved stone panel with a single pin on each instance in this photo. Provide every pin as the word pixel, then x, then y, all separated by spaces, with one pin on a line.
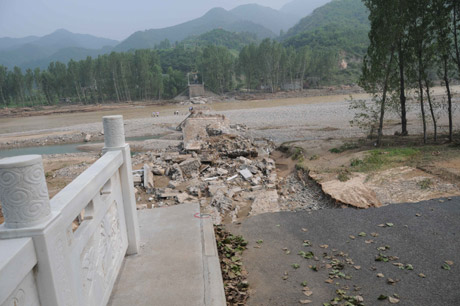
pixel 101 256
pixel 25 294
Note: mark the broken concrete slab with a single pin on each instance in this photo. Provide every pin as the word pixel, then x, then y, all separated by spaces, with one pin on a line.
pixel 265 202
pixel 190 167
pixel 246 174
pixel 194 129
pixel 148 179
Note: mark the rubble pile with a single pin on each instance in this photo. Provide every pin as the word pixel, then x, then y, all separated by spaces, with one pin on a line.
pixel 218 166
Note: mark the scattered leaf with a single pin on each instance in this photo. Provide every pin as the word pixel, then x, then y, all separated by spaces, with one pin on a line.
pixel 304 229
pixel 362 234
pixel 324 246
pixel 304 284
pixel 260 241
pixel 422 275
pixel 382 297
pixel 391 281
pixel 417 215
pixel 305 301
pixel 381 225
pixel 295 266
pixel 409 267
pixel 352 237
pixel 393 300
pixel 369 241
pixel 329 281
pixel 374 234
pixel 449 262
pixel 445 266
pixel 308 292
pixel 389 224
pixel 357 267
pixel 380 275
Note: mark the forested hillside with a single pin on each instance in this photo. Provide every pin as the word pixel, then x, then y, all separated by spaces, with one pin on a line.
pixel 340 24
pixel 60 45
pixel 219 37
pixel 217 18
pixel 309 55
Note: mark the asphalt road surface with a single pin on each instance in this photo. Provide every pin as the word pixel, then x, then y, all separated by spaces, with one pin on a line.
pixel 423 235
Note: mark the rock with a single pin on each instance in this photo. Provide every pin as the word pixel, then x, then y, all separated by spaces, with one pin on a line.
pixel 180 158
pixel 222 172
pixel 221 202
pixel 256 181
pixel 87 138
pixel 190 167
pixel 158 171
pixel 173 184
pixel 194 191
pixel 214 189
pixel 137 179
pixel 181 197
pixel 246 174
pixel 175 172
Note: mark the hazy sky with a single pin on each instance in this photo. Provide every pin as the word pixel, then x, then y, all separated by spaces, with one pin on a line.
pixel 115 19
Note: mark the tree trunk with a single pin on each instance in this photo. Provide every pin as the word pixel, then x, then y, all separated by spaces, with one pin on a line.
pixel 449 98
pixel 402 88
pixel 433 117
pixel 457 51
pixel 382 107
pixel 420 85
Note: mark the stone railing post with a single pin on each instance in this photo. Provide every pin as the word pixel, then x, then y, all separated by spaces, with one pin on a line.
pixel 24 195
pixel 114 139
pixel 26 208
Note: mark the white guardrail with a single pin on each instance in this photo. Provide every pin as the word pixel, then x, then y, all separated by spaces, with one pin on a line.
pixel 67 250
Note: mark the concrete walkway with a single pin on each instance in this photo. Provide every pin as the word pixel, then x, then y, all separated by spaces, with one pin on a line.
pixel 178 263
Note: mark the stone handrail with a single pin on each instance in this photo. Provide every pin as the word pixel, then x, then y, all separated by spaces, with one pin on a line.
pixel 74 244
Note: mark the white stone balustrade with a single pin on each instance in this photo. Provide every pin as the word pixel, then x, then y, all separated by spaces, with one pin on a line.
pixel 67 250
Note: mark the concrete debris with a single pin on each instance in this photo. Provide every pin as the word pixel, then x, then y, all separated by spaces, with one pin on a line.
pixel 246 174
pixel 221 202
pixel 219 166
pixel 190 167
pixel 148 179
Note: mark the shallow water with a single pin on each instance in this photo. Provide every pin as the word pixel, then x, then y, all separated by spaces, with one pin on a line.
pixel 59 149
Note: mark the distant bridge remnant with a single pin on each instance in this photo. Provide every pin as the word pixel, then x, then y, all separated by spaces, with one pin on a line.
pixel 195 87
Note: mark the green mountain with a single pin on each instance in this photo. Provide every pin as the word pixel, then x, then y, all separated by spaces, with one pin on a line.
pixel 302 8
pixel 270 18
pixel 340 24
pixel 64 56
pixel 32 52
pixel 9 42
pixel 217 18
pixel 219 37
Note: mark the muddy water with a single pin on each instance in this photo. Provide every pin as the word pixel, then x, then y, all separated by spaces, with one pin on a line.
pixel 58 149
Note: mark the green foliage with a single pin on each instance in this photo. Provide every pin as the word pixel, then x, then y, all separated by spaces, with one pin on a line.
pixel 425 184
pixel 220 37
pixel 379 158
pixel 345 147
